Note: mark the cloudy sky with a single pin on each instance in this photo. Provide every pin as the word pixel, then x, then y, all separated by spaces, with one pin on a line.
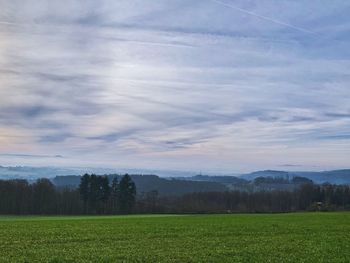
pixel 211 85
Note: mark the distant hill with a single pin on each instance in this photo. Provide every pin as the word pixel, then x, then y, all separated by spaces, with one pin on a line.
pixel 147 183
pixel 266 173
pixel 198 183
pixel 69 181
pixel 218 179
pixel 333 177
pixel 177 182
pixel 265 181
pixel 278 183
pixel 32 172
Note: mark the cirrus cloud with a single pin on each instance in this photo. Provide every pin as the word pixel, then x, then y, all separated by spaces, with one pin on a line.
pixel 219 85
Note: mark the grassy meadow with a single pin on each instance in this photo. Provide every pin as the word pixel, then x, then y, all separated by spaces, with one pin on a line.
pixel 299 237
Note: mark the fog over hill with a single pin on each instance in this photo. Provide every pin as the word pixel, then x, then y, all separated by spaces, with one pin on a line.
pixel 32 173
pixel 334 177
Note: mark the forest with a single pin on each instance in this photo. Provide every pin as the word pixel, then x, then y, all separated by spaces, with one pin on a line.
pixel 99 195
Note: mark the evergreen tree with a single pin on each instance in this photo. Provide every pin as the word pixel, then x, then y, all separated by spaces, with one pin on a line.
pixel 94 191
pixel 105 190
pixel 44 196
pixel 115 193
pixel 84 189
pixel 127 194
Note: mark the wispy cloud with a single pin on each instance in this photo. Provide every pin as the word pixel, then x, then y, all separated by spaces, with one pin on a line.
pixel 229 85
pixel 29 155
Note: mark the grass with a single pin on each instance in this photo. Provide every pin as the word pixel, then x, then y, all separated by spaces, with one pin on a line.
pixel 300 237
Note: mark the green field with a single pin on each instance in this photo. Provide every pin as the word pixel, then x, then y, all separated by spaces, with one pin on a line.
pixel 300 237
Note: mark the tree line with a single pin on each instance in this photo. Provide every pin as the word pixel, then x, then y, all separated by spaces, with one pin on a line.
pixel 95 195
pixel 308 197
pixel 101 197
pixel 98 195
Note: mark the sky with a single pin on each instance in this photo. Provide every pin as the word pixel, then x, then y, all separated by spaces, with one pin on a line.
pixel 209 85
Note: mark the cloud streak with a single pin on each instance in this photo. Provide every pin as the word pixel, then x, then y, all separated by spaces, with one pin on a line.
pixel 177 85
pixel 29 155
pixel 263 17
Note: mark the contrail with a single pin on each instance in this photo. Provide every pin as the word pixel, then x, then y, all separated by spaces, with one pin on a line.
pixel 263 17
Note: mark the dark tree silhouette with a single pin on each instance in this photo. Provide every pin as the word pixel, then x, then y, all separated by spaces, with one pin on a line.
pixel 95 192
pixel 104 189
pixel 42 197
pixel 114 194
pixel 84 189
pixel 127 194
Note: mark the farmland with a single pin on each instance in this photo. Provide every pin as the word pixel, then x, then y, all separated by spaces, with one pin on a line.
pixel 298 237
